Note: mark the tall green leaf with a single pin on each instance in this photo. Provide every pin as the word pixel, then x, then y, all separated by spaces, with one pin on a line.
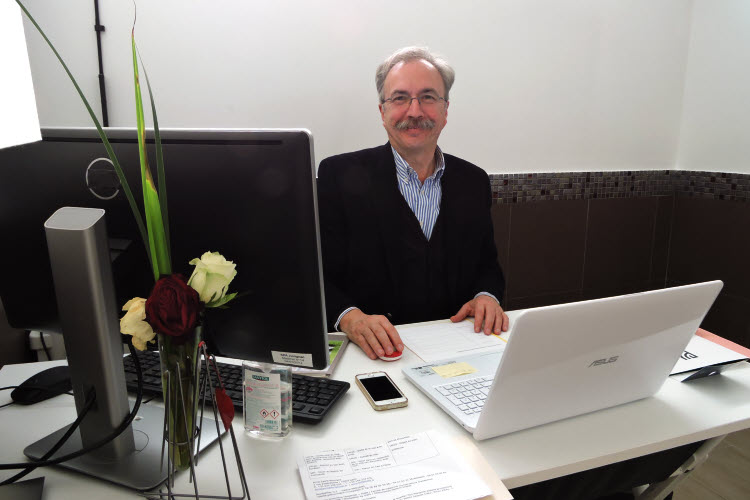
pixel 159 159
pixel 102 135
pixel 160 260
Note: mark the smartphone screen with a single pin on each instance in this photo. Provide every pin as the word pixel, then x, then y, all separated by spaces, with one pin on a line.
pixel 380 388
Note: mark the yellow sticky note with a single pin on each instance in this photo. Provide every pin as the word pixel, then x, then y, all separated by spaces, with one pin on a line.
pixel 454 369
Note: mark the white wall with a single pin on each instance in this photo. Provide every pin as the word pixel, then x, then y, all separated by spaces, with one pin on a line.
pixel 716 118
pixel 18 120
pixel 542 85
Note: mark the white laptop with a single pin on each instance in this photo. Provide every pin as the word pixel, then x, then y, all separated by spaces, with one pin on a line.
pixel 565 360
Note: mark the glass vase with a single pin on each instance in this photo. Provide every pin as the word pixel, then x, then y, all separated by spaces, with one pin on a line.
pixel 179 379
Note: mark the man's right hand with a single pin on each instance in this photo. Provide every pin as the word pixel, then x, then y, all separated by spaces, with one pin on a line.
pixel 374 334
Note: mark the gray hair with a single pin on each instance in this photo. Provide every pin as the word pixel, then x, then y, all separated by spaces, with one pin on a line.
pixel 411 54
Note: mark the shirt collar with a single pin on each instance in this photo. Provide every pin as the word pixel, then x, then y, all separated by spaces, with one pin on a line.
pixel 405 172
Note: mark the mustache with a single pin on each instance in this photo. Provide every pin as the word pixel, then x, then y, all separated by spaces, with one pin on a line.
pixel 421 123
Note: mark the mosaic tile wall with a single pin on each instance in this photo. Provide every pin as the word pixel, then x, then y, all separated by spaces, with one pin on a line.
pixel 716 185
pixel 515 188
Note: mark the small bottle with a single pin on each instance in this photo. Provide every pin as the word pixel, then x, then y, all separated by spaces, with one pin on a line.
pixel 267 399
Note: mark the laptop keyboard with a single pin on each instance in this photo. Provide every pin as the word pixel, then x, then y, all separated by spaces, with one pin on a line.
pixel 468 395
pixel 312 397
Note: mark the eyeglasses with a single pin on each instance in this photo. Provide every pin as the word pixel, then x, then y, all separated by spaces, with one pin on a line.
pixel 424 100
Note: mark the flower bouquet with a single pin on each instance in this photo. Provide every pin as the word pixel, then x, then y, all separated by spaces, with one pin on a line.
pixel 174 310
pixel 173 313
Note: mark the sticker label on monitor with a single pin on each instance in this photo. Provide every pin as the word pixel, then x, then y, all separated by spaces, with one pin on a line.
pixel 292 358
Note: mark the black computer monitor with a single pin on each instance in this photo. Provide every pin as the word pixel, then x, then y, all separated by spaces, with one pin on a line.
pixel 249 194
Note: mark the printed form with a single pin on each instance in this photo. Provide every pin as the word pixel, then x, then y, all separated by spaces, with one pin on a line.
pixel 438 341
pixel 418 466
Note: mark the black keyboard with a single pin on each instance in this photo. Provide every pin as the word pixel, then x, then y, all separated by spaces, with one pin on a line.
pixel 313 397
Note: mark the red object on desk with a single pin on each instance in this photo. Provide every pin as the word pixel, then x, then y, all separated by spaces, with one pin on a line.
pixel 226 407
pixel 392 356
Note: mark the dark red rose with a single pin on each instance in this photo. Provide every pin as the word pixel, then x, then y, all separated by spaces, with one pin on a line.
pixel 173 307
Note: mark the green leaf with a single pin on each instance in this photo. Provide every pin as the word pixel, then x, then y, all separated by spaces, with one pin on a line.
pixel 219 303
pixel 159 160
pixel 160 260
pixel 239 295
pixel 102 135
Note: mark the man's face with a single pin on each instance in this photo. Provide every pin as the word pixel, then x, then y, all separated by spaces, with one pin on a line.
pixel 414 128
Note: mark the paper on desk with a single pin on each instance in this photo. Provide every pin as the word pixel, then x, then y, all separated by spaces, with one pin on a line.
pixel 437 341
pixel 701 352
pixel 420 466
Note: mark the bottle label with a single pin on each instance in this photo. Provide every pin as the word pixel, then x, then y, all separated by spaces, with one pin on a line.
pixel 263 401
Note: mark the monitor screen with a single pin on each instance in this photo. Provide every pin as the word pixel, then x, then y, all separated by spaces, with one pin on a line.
pixel 248 194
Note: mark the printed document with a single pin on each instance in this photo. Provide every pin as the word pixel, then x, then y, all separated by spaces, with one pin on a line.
pixel 425 466
pixel 443 340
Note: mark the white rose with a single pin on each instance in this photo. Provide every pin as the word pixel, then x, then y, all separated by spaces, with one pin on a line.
pixel 134 323
pixel 211 278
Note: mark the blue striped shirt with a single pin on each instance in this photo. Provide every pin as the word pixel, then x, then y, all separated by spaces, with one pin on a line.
pixel 422 198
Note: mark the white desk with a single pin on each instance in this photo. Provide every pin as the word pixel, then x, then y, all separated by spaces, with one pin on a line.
pixel 679 414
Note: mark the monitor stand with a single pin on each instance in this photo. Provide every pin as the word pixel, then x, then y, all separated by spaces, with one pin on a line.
pixel 142 469
pixel 81 270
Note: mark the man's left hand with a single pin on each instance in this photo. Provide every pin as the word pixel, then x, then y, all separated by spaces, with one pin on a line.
pixel 486 311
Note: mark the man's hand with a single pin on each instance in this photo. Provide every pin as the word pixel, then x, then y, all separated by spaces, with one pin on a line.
pixel 485 310
pixel 374 334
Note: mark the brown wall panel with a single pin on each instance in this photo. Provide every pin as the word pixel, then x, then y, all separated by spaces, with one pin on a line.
pixel 710 240
pixel 546 247
pixel 728 318
pixel 557 251
pixel 501 227
pixel 619 245
pixel 662 235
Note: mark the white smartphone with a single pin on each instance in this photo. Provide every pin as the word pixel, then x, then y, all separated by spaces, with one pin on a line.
pixel 380 391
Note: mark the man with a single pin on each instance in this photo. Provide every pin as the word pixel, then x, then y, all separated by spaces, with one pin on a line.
pixel 405 229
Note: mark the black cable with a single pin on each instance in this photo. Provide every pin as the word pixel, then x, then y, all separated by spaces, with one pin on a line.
pixel 91 397
pixel 7 404
pixel 44 346
pixel 124 425
pixel 102 89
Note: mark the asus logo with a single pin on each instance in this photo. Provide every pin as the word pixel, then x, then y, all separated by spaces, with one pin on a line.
pixel 604 361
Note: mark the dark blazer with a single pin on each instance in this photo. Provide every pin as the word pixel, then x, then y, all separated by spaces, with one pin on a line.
pixel 363 225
